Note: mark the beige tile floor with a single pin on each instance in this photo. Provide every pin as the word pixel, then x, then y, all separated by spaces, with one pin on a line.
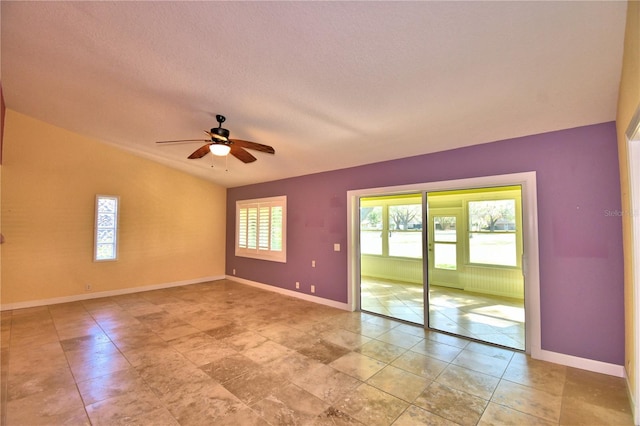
pixel 228 354
pixel 492 319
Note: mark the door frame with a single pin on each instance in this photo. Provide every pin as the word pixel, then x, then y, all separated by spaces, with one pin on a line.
pixel 633 160
pixel 530 261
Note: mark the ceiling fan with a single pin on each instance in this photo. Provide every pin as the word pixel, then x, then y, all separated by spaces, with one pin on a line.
pixel 221 145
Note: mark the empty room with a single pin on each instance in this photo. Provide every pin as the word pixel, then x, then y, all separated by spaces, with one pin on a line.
pixel 320 213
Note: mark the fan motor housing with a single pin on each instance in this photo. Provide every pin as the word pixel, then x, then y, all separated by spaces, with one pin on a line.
pixel 220 133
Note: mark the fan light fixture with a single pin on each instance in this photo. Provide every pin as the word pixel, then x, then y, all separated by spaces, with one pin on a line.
pixel 219 149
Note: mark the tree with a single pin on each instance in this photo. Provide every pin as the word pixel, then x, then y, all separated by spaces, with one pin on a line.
pixel 445 223
pixel 485 214
pixel 402 216
pixel 372 216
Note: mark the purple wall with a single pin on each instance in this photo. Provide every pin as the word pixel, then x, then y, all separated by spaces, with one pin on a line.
pixel 580 230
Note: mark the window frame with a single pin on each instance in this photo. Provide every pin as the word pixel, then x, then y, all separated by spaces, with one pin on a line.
pixel 517 232
pixel 269 254
pixel 434 241
pixel 380 230
pixel 385 203
pixel 390 247
pixel 116 228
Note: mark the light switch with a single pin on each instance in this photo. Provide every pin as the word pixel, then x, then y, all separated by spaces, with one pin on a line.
pixel 336 247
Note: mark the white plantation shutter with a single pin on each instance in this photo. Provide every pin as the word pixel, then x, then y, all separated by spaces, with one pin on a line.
pixel 252 227
pixel 264 225
pixel 261 228
pixel 242 228
pixel 276 228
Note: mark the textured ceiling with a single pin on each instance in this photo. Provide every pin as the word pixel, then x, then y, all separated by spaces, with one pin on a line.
pixel 328 84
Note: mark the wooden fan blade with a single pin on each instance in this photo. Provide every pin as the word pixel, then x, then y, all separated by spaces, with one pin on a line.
pixel 184 140
pixel 200 152
pixel 242 155
pixel 212 135
pixel 253 145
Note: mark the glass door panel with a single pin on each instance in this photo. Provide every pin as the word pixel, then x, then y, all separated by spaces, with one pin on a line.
pixel 475 282
pixel 391 265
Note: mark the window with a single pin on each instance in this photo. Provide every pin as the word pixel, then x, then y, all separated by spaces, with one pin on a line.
pixel 391 226
pixel 445 241
pixel 492 232
pixel 371 230
pixel 106 228
pixel 261 228
pixel 405 226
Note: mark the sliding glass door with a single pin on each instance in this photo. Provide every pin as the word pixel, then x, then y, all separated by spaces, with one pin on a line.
pixel 461 273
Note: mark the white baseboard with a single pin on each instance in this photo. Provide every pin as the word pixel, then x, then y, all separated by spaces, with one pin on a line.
pixel 581 363
pixel 88 296
pixel 558 358
pixel 296 294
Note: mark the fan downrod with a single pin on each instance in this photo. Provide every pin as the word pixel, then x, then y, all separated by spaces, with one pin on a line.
pixel 219 133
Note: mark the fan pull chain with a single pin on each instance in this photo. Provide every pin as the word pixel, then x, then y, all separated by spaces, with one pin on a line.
pixel 226 163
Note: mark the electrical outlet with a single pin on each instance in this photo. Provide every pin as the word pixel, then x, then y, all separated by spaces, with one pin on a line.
pixel 313 288
pixel 87 287
pixel 234 271
pixel 297 285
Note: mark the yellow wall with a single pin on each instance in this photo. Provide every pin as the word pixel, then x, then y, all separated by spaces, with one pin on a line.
pixel 172 225
pixel 628 102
